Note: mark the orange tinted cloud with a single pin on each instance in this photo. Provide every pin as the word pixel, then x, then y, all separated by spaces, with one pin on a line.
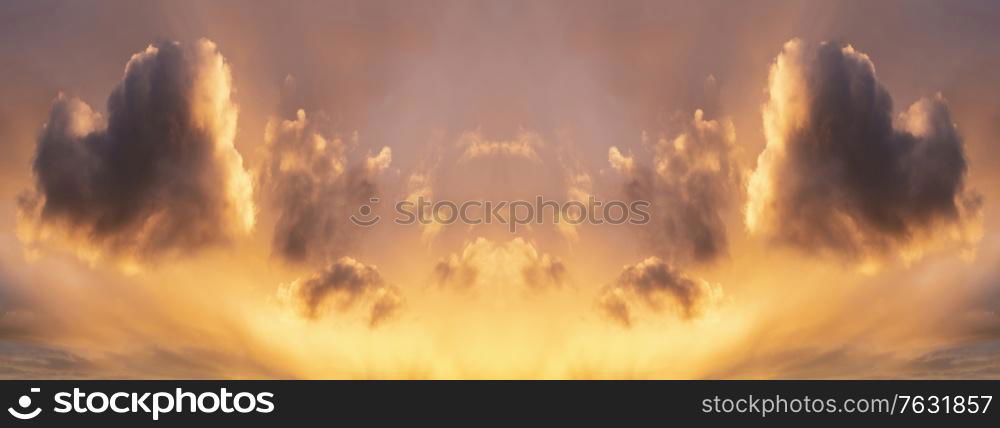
pixel 315 182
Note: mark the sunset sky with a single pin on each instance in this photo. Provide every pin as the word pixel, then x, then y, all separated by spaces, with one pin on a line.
pixel 178 177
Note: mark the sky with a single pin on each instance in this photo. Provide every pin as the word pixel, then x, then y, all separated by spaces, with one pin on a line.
pixel 178 179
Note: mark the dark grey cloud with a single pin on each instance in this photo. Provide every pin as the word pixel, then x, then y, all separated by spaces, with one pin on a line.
pixel 316 183
pixel 160 175
pixel 341 286
pixel 690 179
pixel 657 286
pixel 841 174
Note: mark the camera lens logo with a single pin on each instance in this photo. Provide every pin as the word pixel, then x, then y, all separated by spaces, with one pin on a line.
pixel 24 402
pixel 365 218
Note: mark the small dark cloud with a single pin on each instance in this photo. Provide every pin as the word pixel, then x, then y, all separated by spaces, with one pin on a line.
pixel 658 287
pixel 341 286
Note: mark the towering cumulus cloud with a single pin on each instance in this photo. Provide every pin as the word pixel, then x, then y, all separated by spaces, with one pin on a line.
pixel 316 187
pixel 341 286
pixel 161 175
pixel 657 286
pixel 692 178
pixel 840 175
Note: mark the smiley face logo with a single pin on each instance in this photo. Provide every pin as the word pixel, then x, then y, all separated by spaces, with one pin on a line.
pixel 365 218
pixel 25 402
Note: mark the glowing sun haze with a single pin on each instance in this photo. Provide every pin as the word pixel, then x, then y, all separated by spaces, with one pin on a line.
pixel 179 178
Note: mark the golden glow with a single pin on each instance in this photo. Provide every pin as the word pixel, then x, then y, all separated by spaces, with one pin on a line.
pixel 433 107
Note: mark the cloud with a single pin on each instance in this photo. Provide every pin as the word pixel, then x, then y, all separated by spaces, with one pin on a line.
pixel 472 166
pixel 515 262
pixel 524 146
pixel 160 175
pixel 316 185
pixel 839 175
pixel 659 287
pixel 341 286
pixel 966 361
pixel 25 360
pixel 579 185
pixel 690 182
pixel 420 186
